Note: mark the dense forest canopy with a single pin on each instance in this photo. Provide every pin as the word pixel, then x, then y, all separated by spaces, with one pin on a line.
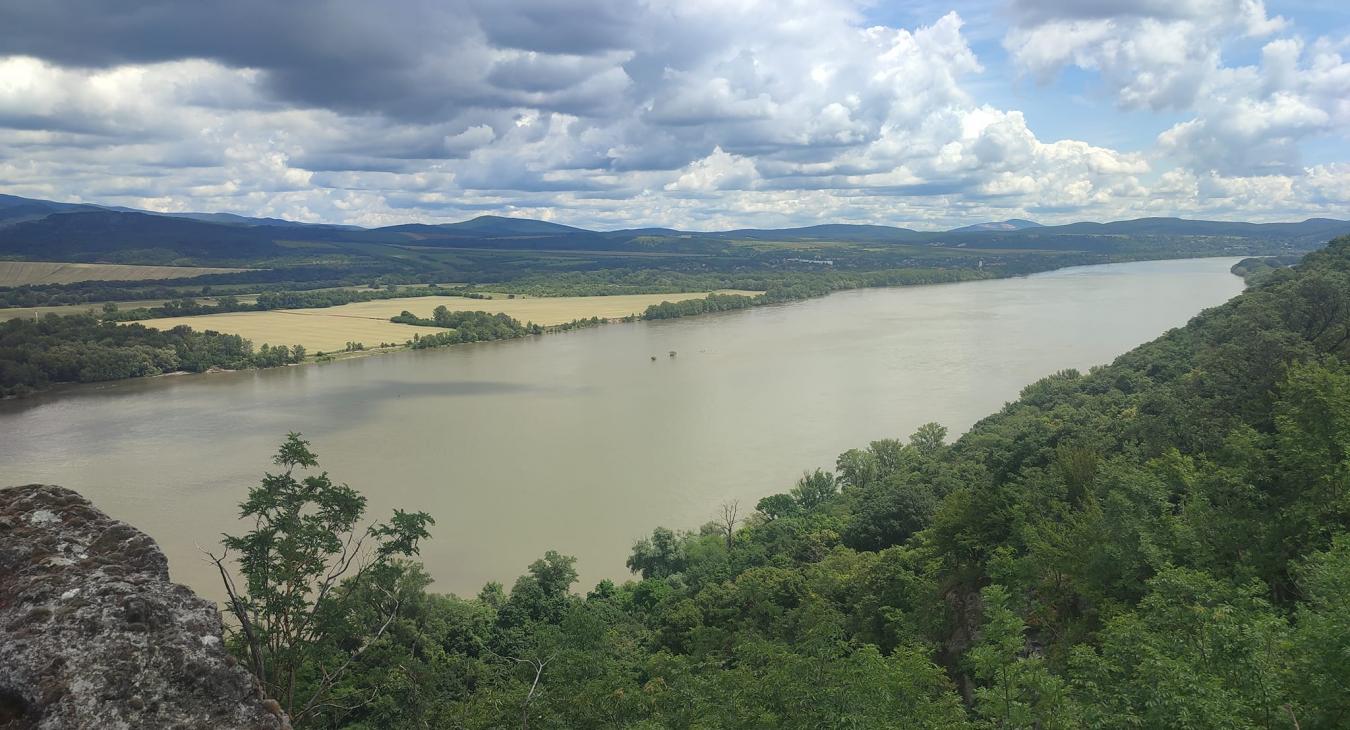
pixel 1161 542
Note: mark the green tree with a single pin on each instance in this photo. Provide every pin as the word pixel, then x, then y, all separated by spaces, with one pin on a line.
pixel 541 595
pixel 776 506
pixel 318 589
pixel 660 555
pixel 1320 645
pixel 814 489
pixel 1019 690
pixel 1197 653
pixel 929 438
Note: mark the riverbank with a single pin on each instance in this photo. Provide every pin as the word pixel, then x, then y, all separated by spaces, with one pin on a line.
pixel 319 334
pixel 545 433
pixel 329 329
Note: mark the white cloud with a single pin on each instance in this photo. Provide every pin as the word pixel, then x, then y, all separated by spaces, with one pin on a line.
pixel 1252 119
pixel 717 171
pixel 1154 55
pixel 689 113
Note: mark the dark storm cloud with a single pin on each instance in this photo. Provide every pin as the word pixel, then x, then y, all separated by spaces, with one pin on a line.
pixel 1041 10
pixel 340 162
pixel 543 73
pixel 38 122
pixel 339 55
pixel 558 26
pixel 415 59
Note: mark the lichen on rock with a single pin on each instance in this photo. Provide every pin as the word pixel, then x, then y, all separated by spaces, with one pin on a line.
pixel 94 635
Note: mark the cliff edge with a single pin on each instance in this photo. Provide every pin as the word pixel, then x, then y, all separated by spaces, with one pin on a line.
pixel 93 634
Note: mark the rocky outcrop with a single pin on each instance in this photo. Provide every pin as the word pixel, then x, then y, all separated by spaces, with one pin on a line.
pixel 93 634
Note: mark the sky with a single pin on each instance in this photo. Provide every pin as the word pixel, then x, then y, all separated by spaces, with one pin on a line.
pixel 692 114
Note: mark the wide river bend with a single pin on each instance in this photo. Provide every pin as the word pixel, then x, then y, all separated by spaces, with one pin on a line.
pixel 579 441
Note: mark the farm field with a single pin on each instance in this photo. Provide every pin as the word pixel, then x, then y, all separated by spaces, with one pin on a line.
pixel 314 328
pixel 540 310
pixel 331 328
pixel 22 273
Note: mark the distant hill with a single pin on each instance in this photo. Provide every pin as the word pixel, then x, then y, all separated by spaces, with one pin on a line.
pixel 1155 235
pixel 1012 224
pixel 42 229
pixel 647 232
pixel 241 220
pixel 826 232
pixel 14 209
pixel 504 226
pixel 1183 226
pixel 485 226
pixel 116 237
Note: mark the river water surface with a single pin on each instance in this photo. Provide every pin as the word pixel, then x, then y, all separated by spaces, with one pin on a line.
pixel 578 441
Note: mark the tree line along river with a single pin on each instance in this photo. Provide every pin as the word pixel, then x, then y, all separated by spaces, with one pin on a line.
pixel 582 442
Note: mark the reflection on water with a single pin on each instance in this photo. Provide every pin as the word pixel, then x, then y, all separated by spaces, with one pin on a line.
pixel 579 441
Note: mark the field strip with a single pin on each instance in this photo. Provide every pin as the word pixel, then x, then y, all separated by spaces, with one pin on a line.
pixel 547 311
pixel 24 273
pixel 331 328
pixel 322 313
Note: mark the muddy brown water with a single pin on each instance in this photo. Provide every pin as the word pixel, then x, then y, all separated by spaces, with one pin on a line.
pixel 580 441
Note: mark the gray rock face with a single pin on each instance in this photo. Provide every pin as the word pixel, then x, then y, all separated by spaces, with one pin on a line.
pixel 93 634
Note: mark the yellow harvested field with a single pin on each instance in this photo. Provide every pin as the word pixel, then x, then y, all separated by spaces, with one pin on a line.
pixel 21 273
pixel 309 327
pixel 540 310
pixel 331 328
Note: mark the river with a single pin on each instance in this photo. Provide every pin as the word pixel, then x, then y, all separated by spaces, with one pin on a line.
pixel 579 441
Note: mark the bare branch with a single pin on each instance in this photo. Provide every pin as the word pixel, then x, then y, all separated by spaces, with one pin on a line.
pixel 729 519
pixel 238 608
pixel 538 665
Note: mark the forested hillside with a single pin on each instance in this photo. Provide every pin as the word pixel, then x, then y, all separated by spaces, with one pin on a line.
pixel 1162 542
pixel 493 248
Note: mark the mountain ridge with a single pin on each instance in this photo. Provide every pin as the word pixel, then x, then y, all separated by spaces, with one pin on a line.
pixel 48 230
pixel 1011 224
pixel 492 223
